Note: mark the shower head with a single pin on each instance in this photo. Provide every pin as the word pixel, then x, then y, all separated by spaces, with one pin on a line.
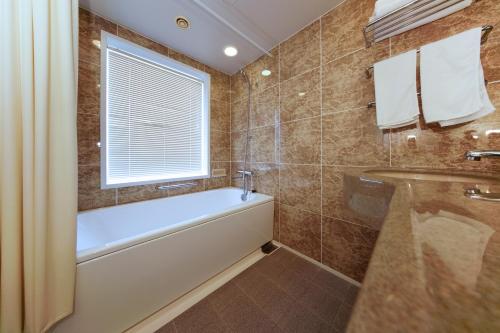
pixel 242 72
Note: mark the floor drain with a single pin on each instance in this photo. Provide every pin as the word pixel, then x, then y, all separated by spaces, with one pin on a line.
pixel 268 247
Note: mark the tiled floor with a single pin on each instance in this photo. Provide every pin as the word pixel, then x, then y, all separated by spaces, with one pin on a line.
pixel 280 293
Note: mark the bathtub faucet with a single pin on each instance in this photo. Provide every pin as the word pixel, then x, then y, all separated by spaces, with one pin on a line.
pixel 247 183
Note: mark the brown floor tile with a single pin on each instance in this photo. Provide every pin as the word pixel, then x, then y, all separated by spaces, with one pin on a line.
pixel 199 318
pixel 280 293
pixel 300 319
pixel 321 302
pixel 342 317
pixel 352 295
pixel 338 287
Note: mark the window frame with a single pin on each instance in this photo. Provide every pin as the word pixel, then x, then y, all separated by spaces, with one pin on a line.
pixel 147 55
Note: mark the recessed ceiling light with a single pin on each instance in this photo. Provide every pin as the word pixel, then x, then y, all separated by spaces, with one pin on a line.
pixel 265 72
pixel 97 43
pixel 230 51
pixel 182 22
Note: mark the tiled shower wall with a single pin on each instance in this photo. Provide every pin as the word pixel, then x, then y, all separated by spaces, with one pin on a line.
pixel 310 122
pixel 89 193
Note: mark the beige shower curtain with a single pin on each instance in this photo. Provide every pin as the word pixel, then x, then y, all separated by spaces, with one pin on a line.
pixel 38 162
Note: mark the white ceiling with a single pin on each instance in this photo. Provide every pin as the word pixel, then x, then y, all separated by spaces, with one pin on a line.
pixel 253 26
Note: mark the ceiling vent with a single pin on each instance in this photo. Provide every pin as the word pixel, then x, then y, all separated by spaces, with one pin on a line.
pixel 182 22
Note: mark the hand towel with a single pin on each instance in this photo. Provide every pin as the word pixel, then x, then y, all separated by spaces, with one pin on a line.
pixel 396 90
pixel 453 89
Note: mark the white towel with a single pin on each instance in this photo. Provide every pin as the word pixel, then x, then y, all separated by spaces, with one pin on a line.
pixel 453 89
pixel 396 90
pixel 383 7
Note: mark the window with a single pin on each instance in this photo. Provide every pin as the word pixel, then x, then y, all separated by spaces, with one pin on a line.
pixel 154 117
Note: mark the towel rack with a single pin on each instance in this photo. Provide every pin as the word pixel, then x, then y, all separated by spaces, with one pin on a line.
pixel 373 104
pixel 486 29
pixel 407 17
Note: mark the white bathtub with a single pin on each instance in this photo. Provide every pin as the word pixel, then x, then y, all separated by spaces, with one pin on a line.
pixel 135 259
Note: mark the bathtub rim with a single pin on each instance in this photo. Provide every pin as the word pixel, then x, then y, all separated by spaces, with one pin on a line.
pixel 124 243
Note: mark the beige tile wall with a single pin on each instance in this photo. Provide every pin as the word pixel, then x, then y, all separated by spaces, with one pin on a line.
pixel 89 193
pixel 310 122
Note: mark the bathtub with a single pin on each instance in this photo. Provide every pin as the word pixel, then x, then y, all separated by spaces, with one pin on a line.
pixel 135 259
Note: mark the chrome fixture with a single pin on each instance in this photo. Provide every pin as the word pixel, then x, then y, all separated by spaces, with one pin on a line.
pixel 247 177
pixel 246 173
pixel 408 17
pixel 476 155
pixel 175 186
pixel 476 194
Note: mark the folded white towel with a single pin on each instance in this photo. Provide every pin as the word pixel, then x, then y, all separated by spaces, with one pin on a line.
pixel 453 89
pixel 442 12
pixel 396 90
pixel 383 7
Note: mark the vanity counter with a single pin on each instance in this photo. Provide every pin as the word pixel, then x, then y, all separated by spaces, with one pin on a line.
pixel 436 264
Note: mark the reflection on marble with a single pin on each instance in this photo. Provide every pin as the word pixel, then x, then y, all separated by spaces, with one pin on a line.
pixel 462 253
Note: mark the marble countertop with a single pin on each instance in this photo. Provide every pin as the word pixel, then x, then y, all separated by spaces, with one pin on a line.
pixel 436 264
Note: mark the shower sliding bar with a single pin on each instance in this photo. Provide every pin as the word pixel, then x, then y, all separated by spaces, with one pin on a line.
pixel 486 29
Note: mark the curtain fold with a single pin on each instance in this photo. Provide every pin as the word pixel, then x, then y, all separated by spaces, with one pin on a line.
pixel 38 162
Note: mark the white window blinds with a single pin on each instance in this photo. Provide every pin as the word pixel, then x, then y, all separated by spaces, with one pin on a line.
pixel 156 119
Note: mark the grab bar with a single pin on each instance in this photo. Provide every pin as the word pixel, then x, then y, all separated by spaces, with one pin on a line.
pixel 474 193
pixel 175 186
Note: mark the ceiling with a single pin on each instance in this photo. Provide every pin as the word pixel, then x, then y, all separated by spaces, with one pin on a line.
pixel 252 26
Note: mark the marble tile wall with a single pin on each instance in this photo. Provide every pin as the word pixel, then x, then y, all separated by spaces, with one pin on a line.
pixel 309 123
pixel 90 195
